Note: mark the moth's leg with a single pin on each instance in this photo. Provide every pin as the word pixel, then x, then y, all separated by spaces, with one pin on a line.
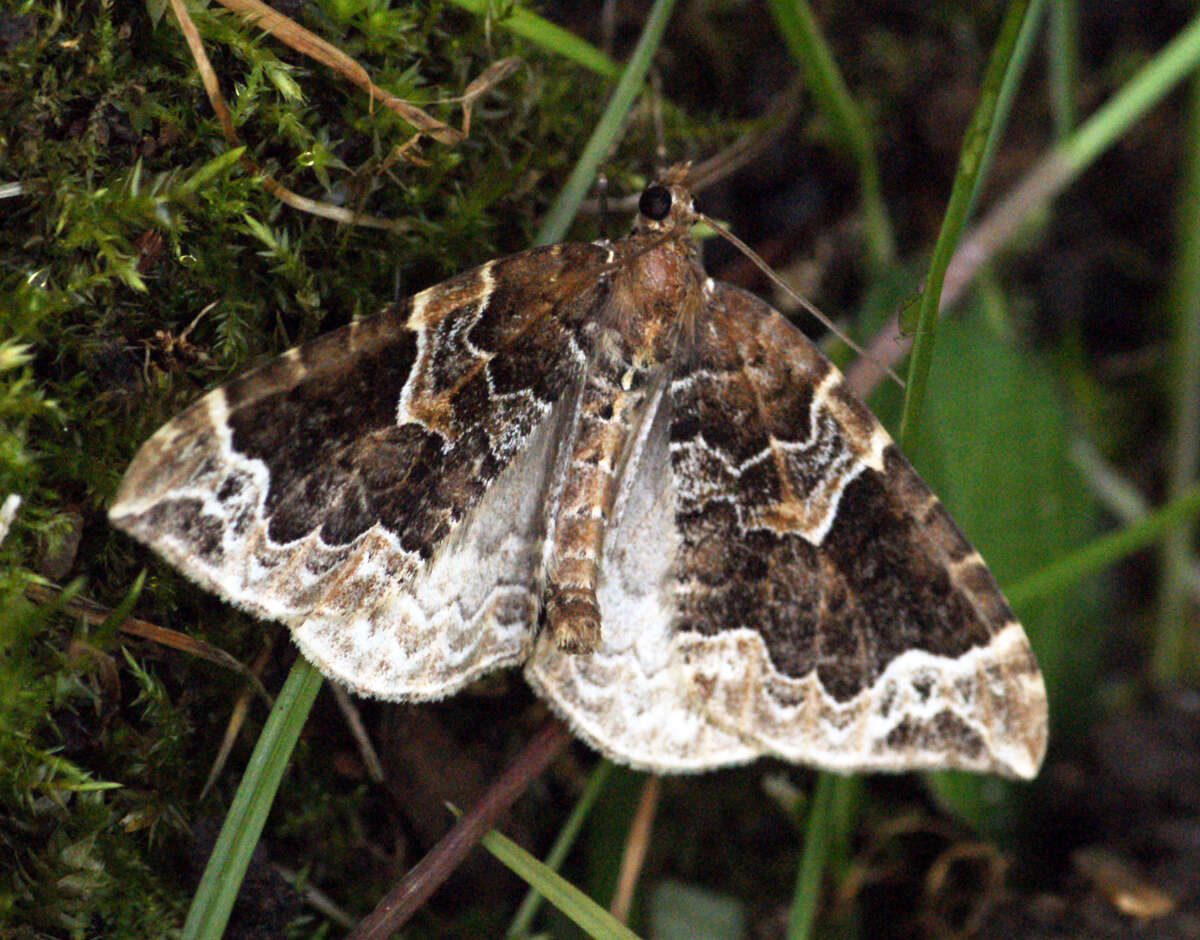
pixel 602 203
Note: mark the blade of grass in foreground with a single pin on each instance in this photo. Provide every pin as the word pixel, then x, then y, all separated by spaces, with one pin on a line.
pixel 244 822
pixel 586 913
pixel 995 94
pixel 1026 43
pixel 1062 55
pixel 1174 641
pixel 550 36
pixel 562 845
pixel 969 165
pixel 818 835
pixel 1108 549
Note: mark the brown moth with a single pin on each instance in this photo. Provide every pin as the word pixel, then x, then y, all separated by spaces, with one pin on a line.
pixel 646 486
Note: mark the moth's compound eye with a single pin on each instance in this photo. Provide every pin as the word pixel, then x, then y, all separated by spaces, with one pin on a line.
pixel 655 203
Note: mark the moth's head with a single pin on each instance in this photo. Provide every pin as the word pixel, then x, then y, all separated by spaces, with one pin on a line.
pixel 666 205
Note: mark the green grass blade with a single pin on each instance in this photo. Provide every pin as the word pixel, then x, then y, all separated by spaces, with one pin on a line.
pixel 844 817
pixel 1072 156
pixel 1026 43
pixel 808 47
pixel 1106 551
pixel 549 36
pixel 1158 76
pixel 608 129
pixel 119 614
pixel 247 814
pixel 969 165
pixel 1174 642
pixel 562 845
pixel 208 171
pixel 1062 50
pixel 818 836
pixel 586 913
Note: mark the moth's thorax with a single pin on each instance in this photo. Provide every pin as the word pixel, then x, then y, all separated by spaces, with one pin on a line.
pixel 657 287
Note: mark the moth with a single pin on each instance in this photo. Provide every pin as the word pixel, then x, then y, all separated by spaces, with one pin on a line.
pixel 646 486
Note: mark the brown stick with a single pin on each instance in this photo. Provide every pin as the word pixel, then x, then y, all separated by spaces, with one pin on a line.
pixel 636 847
pixel 429 873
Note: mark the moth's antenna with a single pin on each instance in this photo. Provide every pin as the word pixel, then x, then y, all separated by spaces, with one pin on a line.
pixel 803 301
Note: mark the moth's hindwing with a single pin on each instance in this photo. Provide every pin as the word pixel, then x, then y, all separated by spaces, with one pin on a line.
pixel 381 489
pixel 783 582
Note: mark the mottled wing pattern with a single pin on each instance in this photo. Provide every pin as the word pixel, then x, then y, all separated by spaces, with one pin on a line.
pixel 796 589
pixel 381 489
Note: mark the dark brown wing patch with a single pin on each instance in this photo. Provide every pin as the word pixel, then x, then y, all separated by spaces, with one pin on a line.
pixel 875 584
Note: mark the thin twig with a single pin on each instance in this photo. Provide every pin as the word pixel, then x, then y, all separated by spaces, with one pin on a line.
pixel 208 78
pixel 316 898
pixel 358 731
pixel 314 47
pixel 636 846
pixel 415 888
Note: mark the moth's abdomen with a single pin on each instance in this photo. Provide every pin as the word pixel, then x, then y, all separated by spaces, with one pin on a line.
pixel 580 516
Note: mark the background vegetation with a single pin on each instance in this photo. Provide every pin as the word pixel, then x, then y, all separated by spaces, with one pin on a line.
pixel 143 260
